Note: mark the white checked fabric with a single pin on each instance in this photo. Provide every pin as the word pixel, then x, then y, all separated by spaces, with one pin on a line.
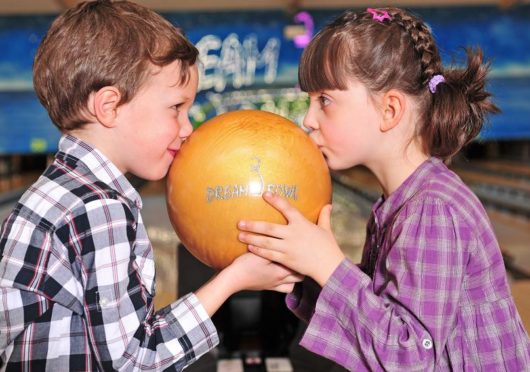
pixel 77 277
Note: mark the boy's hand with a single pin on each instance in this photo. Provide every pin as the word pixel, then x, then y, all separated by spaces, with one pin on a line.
pixel 300 245
pixel 251 272
pixel 246 272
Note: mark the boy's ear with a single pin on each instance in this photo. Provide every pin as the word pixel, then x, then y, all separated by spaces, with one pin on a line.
pixel 393 109
pixel 103 105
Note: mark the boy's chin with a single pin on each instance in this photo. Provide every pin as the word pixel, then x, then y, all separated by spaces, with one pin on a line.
pixel 150 176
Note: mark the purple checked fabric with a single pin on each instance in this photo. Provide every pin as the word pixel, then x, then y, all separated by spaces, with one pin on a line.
pixel 430 294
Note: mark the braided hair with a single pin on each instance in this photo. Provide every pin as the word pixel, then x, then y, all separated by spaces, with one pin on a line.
pixel 400 52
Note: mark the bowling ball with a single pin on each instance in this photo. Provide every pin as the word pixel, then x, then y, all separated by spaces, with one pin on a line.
pixel 221 171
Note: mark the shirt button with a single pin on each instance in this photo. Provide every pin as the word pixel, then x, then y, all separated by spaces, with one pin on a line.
pixel 104 301
pixel 427 344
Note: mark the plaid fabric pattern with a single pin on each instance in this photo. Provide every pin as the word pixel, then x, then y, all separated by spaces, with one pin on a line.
pixel 435 298
pixel 77 277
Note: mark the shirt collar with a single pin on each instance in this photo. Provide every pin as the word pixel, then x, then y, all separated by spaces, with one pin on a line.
pixel 99 165
pixel 384 209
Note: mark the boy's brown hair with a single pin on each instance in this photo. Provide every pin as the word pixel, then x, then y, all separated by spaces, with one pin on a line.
pixel 103 43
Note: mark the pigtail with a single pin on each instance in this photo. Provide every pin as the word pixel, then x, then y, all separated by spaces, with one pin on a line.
pixel 389 48
pixel 454 102
pixel 460 105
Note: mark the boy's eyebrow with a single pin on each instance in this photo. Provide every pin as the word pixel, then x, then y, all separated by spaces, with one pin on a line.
pixel 182 97
pixel 176 84
pixel 177 87
pixel 180 82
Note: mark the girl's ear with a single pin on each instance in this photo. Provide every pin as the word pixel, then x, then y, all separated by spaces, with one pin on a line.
pixel 103 104
pixel 393 109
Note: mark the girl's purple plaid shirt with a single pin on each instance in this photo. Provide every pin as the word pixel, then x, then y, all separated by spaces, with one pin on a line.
pixel 77 277
pixel 430 294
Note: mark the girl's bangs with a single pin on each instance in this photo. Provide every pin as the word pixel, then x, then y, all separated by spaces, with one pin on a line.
pixel 324 64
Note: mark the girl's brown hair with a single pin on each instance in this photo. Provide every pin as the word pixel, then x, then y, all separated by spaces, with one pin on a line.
pixel 401 53
pixel 103 43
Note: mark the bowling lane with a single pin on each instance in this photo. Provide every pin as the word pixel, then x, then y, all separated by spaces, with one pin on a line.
pixel 348 218
pixel 165 243
pixel 5 210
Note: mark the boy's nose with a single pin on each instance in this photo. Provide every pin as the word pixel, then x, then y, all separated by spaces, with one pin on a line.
pixel 186 128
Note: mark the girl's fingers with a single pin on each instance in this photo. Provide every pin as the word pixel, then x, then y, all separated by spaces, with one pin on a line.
pixel 282 205
pixel 261 241
pixel 272 229
pixel 261 227
pixel 268 254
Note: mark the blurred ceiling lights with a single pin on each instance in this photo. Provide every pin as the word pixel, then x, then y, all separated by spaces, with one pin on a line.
pixel 55 6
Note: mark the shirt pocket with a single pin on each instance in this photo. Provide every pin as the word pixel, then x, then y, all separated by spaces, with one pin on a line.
pixel 145 270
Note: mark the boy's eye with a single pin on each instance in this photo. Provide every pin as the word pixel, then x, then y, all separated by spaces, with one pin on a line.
pixel 178 107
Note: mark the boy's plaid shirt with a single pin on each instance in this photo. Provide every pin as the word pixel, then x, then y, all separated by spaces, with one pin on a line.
pixel 77 277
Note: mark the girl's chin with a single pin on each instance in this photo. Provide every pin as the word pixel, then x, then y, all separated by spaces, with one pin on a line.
pixel 330 163
pixel 334 166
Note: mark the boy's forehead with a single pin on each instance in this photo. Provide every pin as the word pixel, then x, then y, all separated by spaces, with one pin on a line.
pixel 166 76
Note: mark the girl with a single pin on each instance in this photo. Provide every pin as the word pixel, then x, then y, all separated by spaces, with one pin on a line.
pixel 431 291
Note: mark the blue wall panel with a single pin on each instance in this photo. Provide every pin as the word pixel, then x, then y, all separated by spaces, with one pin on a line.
pixel 229 40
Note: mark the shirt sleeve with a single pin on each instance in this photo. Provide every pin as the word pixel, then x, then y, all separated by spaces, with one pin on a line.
pixel 302 300
pixel 24 252
pixel 124 331
pixel 402 323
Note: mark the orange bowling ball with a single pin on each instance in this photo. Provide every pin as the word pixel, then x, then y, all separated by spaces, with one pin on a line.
pixel 223 168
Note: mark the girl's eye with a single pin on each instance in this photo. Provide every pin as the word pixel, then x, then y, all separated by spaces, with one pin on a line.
pixel 323 100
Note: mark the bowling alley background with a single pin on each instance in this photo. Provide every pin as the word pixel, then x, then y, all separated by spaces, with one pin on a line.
pixel 249 60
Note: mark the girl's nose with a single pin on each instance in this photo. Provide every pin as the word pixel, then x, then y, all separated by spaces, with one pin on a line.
pixel 309 120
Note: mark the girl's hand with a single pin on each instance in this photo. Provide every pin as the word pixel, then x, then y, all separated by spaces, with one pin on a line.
pixel 300 245
pixel 252 272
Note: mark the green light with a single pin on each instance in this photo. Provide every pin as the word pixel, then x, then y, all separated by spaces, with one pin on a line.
pixel 38 145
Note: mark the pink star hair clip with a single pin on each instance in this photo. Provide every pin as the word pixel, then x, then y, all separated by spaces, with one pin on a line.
pixel 379 15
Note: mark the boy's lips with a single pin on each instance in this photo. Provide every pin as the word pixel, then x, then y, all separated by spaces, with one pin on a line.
pixel 173 152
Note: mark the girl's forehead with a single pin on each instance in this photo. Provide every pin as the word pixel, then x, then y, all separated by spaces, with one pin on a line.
pixel 353 89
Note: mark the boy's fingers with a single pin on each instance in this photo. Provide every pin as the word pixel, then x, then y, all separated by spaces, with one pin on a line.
pixel 284 288
pixel 294 278
pixel 324 219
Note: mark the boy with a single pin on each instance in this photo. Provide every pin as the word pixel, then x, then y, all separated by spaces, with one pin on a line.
pixel 76 264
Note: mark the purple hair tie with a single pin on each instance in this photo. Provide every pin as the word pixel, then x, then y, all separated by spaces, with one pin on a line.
pixel 435 80
pixel 378 14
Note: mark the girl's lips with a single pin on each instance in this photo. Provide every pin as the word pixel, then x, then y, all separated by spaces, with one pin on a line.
pixel 173 153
